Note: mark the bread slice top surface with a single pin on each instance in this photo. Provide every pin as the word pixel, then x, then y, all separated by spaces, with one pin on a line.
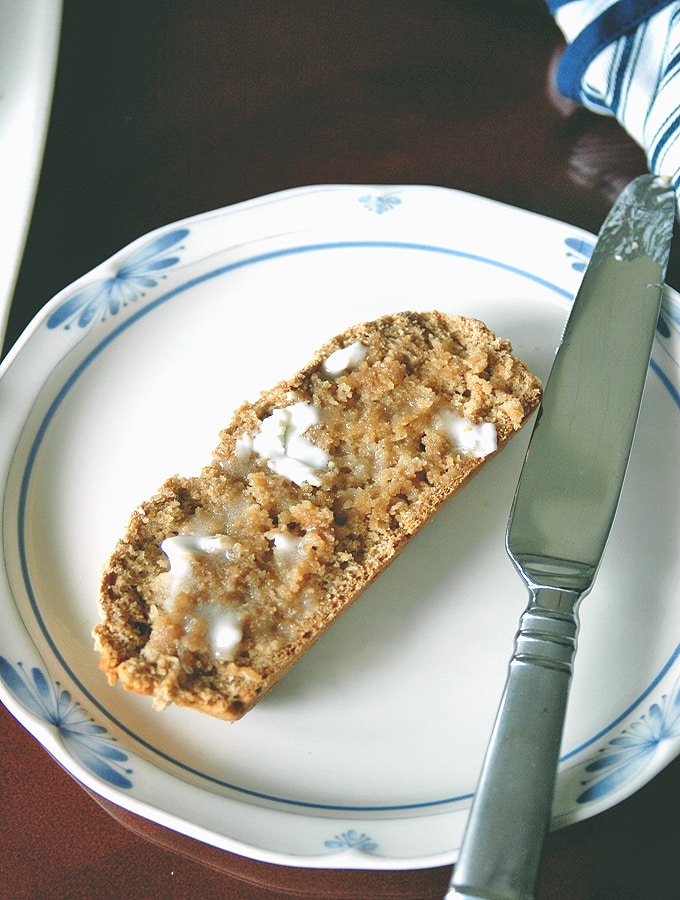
pixel 223 581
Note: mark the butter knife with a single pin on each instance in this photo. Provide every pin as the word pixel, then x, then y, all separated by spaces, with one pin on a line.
pixel 560 520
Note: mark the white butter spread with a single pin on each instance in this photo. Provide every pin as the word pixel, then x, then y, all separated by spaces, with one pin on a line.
pixel 223 629
pixel 286 547
pixel 469 439
pixel 183 548
pixel 345 359
pixel 222 624
pixel 282 443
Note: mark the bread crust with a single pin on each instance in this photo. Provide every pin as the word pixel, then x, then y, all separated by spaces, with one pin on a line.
pixel 391 468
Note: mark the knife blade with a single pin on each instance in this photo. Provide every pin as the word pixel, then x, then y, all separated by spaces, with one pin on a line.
pixel 561 516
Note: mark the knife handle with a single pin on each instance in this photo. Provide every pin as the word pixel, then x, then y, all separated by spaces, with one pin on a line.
pixel 501 852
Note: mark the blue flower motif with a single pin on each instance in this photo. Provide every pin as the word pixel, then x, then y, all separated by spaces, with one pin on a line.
pixel 626 756
pixel 580 251
pixel 352 840
pixel 83 738
pixel 380 203
pixel 131 281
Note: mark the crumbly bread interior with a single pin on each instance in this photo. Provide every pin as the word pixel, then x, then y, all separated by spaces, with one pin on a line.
pixel 274 562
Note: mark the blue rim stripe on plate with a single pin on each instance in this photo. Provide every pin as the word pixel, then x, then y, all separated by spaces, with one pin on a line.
pixel 122 327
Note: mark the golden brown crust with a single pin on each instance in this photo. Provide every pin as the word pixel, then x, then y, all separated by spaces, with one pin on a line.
pixel 392 467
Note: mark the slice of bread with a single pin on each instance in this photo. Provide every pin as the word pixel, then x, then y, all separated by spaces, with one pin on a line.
pixel 223 581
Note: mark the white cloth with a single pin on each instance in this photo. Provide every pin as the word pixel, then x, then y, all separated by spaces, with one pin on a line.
pixel 623 59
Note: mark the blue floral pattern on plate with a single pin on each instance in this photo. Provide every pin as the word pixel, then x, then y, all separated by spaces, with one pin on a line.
pixel 352 840
pixel 86 741
pixel 626 755
pixel 379 203
pixel 108 295
pixel 579 251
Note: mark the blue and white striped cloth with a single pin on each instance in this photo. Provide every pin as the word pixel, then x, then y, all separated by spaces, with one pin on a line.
pixel 623 59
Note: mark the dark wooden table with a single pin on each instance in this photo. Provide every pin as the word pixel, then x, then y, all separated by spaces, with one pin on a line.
pixel 166 108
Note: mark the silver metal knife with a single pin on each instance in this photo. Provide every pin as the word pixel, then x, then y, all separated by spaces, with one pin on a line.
pixel 559 524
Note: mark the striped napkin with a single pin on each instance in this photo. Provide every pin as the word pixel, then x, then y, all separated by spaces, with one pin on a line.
pixel 623 59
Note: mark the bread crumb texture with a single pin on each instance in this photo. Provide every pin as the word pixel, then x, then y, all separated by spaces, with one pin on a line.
pixel 223 581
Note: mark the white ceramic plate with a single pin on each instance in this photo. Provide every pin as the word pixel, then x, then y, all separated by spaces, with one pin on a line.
pixel 29 43
pixel 367 754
